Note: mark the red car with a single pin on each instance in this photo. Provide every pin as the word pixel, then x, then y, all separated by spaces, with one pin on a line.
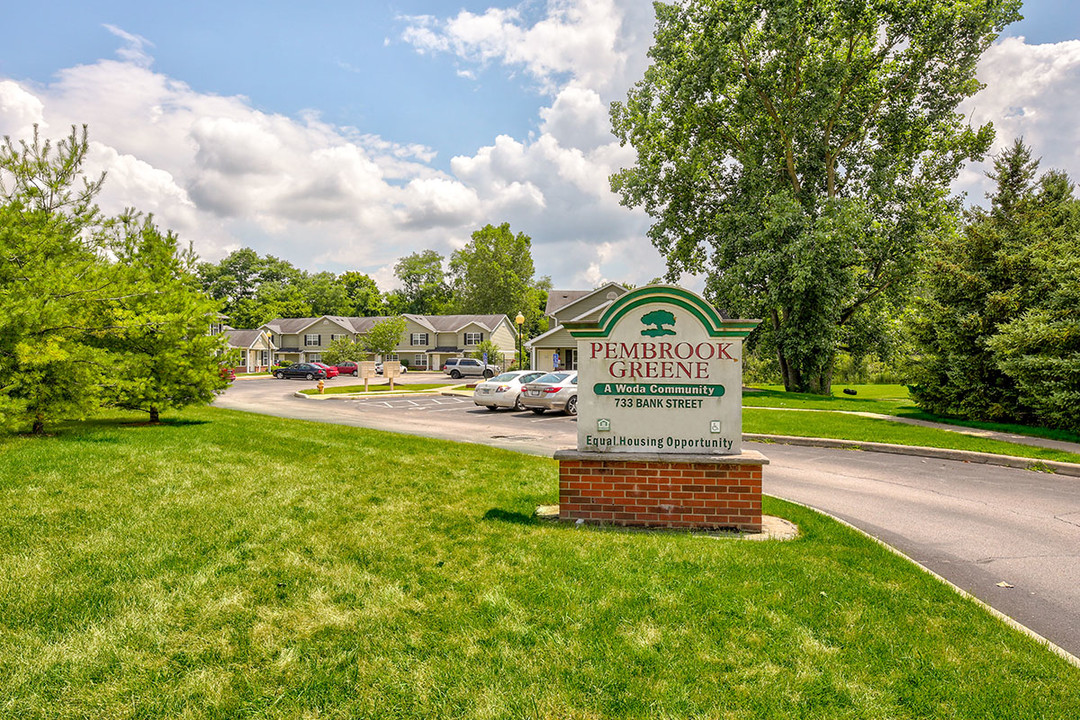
pixel 347 368
pixel 331 371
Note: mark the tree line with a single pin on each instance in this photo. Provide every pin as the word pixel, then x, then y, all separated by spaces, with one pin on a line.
pixel 492 274
pixel 113 312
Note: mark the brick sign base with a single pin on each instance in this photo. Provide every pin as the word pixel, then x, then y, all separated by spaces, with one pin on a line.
pixel 664 491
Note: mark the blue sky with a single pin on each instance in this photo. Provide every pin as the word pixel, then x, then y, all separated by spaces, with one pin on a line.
pixel 343 135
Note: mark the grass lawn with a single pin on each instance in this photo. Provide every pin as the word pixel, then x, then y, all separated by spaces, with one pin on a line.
pixel 852 427
pixel 884 400
pixel 398 387
pixel 225 565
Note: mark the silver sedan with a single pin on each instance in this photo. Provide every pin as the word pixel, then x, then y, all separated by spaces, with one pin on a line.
pixel 554 391
pixel 504 391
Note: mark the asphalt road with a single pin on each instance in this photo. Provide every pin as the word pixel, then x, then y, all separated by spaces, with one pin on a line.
pixel 975 525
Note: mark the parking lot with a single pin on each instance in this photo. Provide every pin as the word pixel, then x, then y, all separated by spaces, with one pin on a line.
pixel 451 417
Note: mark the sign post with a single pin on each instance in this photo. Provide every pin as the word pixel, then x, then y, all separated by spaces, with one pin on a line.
pixel 660 417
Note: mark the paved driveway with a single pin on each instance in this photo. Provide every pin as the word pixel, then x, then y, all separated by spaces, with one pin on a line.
pixel 975 525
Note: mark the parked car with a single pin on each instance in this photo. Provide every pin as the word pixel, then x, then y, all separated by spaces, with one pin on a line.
pixel 378 369
pixel 554 391
pixel 347 368
pixel 504 391
pixel 460 367
pixel 331 371
pixel 306 371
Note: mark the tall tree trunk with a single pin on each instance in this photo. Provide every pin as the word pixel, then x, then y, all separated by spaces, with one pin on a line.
pixel 785 369
pixel 153 414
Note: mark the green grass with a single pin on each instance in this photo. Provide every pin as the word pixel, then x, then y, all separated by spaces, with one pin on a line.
pixel 398 387
pixel 852 427
pixel 225 565
pixel 883 400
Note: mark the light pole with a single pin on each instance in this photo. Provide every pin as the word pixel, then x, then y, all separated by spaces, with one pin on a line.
pixel 269 352
pixel 520 320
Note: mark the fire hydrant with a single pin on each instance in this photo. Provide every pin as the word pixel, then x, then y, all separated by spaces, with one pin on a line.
pixel 321 386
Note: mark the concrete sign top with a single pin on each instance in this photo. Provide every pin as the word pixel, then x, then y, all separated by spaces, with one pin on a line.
pixel 660 372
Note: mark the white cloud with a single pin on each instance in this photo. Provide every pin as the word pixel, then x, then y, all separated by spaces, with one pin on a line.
pixel 20 110
pixel 1031 91
pixel 226 175
pixel 134 51
pixel 575 37
pixel 578 118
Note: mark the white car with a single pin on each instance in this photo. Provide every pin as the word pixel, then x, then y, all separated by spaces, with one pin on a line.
pixel 378 369
pixel 504 391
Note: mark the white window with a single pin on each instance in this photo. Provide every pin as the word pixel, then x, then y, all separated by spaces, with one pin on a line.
pixel 265 359
pixel 314 357
pixel 335 337
pixel 418 339
pixel 474 338
pixel 419 360
pixel 310 340
pixel 391 356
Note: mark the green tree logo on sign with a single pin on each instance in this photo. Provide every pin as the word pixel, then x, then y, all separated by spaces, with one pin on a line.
pixel 658 318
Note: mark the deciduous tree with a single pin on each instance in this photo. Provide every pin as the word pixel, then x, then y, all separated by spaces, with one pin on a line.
pixel 424 289
pixel 384 336
pixel 800 153
pixel 493 272
pixel 343 349
pixel 365 299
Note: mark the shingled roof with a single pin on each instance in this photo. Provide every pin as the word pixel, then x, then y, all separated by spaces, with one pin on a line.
pixel 242 338
pixel 362 325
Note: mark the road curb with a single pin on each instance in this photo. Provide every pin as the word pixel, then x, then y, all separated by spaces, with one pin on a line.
pixel 1015 624
pixel 1011 461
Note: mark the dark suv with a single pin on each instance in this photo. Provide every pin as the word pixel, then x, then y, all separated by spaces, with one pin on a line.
pixel 459 367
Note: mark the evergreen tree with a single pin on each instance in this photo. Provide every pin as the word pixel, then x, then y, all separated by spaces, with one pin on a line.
pixel 999 323
pixel 53 282
pixel 166 357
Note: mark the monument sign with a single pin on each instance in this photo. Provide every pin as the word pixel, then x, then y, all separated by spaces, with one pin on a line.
pixel 660 417
pixel 660 372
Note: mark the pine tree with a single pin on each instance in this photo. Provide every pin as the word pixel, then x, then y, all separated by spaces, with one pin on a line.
pixel 166 357
pixel 53 282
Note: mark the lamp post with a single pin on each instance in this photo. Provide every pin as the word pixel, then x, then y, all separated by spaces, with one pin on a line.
pixel 269 352
pixel 520 320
